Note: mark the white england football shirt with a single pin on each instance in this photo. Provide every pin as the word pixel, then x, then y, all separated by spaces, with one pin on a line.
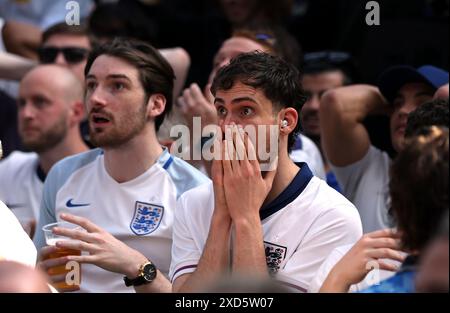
pixel 301 228
pixel 20 185
pixel 139 212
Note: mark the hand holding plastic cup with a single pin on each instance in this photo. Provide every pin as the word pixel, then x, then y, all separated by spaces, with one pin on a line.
pixel 51 239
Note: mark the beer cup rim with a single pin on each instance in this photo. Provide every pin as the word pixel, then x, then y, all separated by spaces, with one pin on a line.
pixel 50 226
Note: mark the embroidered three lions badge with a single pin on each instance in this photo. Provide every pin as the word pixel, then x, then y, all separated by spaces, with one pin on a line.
pixel 146 218
pixel 275 254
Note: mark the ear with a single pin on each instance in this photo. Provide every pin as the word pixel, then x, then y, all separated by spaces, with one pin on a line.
pixel 289 115
pixel 77 113
pixel 156 105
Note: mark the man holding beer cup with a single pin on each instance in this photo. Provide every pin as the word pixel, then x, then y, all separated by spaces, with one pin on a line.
pixel 123 194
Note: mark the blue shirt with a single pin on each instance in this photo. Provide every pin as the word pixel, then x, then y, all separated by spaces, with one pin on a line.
pixel 402 282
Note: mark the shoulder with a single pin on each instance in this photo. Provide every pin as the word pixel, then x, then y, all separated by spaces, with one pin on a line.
pixel 326 198
pixel 184 176
pixel 308 144
pixel 203 193
pixel 63 169
pixel 373 158
pixel 330 205
pixel 17 160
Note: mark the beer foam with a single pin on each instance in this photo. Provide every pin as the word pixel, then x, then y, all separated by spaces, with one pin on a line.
pixel 53 241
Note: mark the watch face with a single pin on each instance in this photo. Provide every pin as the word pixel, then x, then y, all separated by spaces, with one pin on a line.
pixel 149 272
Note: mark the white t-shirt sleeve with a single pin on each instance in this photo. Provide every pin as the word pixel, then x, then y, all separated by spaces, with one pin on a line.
pixel 185 252
pixel 47 209
pixel 15 244
pixel 331 230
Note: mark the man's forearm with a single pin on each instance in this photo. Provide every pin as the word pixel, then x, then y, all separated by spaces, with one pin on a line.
pixel 354 103
pixel 14 67
pixel 248 248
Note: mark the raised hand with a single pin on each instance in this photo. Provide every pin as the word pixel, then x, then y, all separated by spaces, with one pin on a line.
pixel 365 255
pixel 245 187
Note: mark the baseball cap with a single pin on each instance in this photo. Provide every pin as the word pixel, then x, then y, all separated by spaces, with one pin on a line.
pixel 392 79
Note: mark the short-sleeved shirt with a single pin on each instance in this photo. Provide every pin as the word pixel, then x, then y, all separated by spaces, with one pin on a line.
pixel 20 185
pixel 139 212
pixel 301 227
pixel 366 184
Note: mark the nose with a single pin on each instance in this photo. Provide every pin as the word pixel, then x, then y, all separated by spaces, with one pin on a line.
pixel 227 120
pixel 96 98
pixel 60 60
pixel 312 104
pixel 408 107
pixel 26 111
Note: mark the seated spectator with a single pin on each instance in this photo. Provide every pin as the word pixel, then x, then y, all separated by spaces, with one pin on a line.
pixel 322 71
pixel 284 220
pixel 435 112
pixel 50 108
pixel 195 103
pixel 361 169
pixel 129 89
pixel 419 192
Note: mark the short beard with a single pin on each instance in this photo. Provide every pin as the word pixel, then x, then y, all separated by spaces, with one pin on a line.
pixel 48 140
pixel 129 127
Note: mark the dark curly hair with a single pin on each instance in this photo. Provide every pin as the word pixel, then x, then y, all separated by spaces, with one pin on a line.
pixel 419 186
pixel 434 112
pixel 279 80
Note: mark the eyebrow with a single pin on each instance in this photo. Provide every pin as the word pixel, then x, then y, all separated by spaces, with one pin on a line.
pixel 423 93
pixel 237 100
pixel 416 95
pixel 111 76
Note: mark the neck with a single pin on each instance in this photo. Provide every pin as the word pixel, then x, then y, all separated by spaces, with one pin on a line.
pixel 133 158
pixel 286 171
pixel 70 145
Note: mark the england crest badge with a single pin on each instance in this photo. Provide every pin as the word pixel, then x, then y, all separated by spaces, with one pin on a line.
pixel 146 218
pixel 275 254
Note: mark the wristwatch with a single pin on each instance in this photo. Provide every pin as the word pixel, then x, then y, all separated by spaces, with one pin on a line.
pixel 147 274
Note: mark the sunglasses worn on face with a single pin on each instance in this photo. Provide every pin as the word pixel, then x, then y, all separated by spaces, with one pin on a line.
pixel 71 54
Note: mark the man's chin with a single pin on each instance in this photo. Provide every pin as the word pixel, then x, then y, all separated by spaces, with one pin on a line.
pixel 35 146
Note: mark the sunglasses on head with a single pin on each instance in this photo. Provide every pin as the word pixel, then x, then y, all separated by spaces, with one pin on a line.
pixel 72 55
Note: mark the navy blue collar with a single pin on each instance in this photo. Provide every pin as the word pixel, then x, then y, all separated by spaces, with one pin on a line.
pixel 292 191
pixel 298 145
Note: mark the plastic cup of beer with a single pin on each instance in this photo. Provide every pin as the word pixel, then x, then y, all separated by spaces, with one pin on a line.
pixel 51 239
